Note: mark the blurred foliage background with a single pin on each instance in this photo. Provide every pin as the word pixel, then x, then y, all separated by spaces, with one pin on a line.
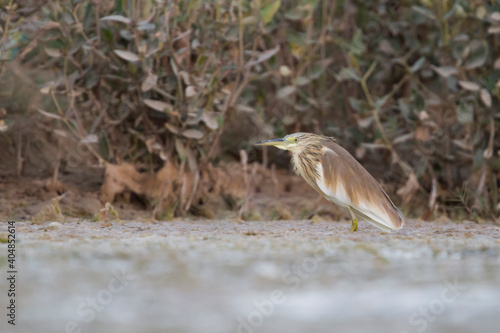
pixel 410 88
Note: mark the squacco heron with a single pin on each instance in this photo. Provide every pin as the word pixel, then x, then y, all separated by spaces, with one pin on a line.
pixel 339 177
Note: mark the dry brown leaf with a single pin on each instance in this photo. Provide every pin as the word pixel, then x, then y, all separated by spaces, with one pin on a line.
pixel 49 114
pixel 445 71
pixel 152 145
pixel 422 133
pixel 497 64
pixel 149 82
pixel 494 29
pixel 185 77
pixel 127 55
pixel 210 119
pixel 51 212
pixel 469 85
pixel 229 88
pixel 157 105
pixel 285 71
pixel 193 134
pixel 488 152
pixel 403 138
pixel 495 16
pixel 360 152
pixel 91 138
pixel 423 115
pixel 485 97
pixel 433 196
pixel 190 91
pixel 191 158
pixel 411 186
pixel 462 144
pixel 53 52
pixel 172 128
pixel 365 122
pixel 117 18
pixel 164 184
pixel 45 90
pixel 3 127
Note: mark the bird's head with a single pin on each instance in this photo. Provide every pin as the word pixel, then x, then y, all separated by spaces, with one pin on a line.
pixel 295 142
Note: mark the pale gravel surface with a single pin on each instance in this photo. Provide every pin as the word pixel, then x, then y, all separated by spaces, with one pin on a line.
pixel 209 276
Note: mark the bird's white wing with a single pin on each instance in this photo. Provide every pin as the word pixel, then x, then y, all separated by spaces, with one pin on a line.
pixel 344 181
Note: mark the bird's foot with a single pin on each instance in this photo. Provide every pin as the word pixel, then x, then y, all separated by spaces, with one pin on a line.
pixel 354 225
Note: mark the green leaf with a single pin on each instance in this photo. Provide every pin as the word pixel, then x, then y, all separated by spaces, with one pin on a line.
pixel 358 105
pixel 296 14
pixel 424 11
pixel 355 104
pixel 381 101
pixel 249 20
pixel 181 150
pixel 451 12
pixel 479 52
pixel 263 56
pixel 417 65
pixel 316 71
pixel 117 18
pixel 404 108
pixel 108 35
pixel 357 46
pixel 347 74
pixel 445 71
pixel 220 120
pixel 268 12
pixel 295 37
pixel 465 113
pixel 300 81
pixel 478 159
pixel 91 79
pixel 88 17
pixel 103 147
pixel 285 91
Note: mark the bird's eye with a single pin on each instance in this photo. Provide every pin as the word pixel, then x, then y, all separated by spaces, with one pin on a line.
pixel 296 139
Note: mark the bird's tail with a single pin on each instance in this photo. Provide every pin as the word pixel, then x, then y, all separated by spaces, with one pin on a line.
pixel 386 218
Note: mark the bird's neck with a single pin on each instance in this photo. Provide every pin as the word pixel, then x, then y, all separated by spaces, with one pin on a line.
pixel 305 163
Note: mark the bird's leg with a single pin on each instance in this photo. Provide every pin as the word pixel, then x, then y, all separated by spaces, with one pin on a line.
pixel 354 223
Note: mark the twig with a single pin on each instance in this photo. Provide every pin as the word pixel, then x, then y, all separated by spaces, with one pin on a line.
pixel 193 191
pixel 375 112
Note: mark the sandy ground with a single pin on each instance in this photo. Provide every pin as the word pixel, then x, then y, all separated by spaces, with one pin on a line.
pixel 280 276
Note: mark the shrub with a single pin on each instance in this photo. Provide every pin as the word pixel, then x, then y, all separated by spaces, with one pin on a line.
pixel 408 86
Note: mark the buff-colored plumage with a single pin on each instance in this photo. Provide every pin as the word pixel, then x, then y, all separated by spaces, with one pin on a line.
pixel 339 177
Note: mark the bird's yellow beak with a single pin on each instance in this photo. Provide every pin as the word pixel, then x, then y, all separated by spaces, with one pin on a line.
pixel 278 143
